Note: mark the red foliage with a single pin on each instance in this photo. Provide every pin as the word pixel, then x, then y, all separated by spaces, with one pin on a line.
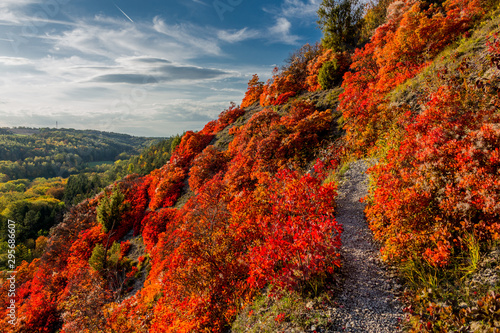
pixel 206 165
pixel 156 223
pixel 255 89
pixel 135 190
pixel 284 97
pixel 82 247
pixel 205 274
pixel 228 116
pixel 124 248
pixel 442 182
pixel 493 44
pixel 398 50
pixel 292 77
pixel 281 83
pixel 300 237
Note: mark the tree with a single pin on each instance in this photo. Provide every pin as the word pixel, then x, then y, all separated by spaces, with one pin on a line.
pixel 109 214
pixel 330 75
pixel 341 22
pixel 255 88
pixel 110 210
pixel 375 16
pixel 98 258
pixel 175 142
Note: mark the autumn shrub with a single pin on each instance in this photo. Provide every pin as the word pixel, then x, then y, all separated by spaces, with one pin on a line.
pixel 155 223
pixel 228 117
pixel 441 182
pixel 85 296
pixel 206 274
pixel 128 316
pixel 400 49
pixel 136 199
pixel 205 166
pixel 493 44
pixel 284 97
pixel 314 67
pixel 292 78
pixel 300 237
pixel 255 89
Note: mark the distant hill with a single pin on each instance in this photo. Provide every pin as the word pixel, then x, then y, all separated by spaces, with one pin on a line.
pixel 44 152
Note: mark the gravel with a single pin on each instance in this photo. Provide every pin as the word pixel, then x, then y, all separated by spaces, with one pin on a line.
pixel 368 298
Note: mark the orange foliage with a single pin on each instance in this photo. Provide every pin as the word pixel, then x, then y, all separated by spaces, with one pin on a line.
pixel 313 68
pixel 255 89
pixel 292 78
pixel 442 182
pixel 398 50
pixel 206 165
pixel 300 237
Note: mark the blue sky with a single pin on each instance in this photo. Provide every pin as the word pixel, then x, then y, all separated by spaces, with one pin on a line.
pixel 142 67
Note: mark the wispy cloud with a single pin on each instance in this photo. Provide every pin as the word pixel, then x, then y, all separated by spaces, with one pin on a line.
pixel 164 73
pixel 14 12
pixel 235 36
pixel 201 2
pixel 187 34
pixel 300 9
pixel 295 9
pixel 17 3
pixel 281 32
pixel 15 61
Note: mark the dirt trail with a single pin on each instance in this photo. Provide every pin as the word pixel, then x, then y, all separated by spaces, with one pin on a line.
pixel 367 302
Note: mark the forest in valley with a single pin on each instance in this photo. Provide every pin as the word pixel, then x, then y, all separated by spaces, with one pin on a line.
pixel 32 153
pixel 232 228
pixel 35 190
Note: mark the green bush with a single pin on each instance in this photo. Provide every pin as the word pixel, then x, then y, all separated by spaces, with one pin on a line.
pixel 330 75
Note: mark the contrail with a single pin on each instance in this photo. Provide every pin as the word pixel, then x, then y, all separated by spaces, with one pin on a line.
pixel 123 12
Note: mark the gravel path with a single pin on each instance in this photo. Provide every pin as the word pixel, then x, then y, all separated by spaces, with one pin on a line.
pixel 367 302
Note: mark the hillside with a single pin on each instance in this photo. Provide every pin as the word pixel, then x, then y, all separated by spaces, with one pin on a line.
pixel 242 230
pixel 38 204
pixel 32 153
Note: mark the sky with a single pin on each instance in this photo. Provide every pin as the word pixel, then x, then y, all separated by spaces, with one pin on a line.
pixel 141 67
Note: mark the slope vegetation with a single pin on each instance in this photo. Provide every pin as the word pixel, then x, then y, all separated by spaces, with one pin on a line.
pixel 238 228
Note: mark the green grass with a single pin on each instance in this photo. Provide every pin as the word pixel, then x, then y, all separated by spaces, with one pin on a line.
pixel 285 311
pixel 98 163
pixel 455 298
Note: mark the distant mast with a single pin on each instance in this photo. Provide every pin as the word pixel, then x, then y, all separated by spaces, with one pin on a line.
pixel 56 124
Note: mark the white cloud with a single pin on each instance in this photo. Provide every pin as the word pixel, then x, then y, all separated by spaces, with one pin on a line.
pixel 17 3
pixel 8 17
pixel 301 9
pixel 15 61
pixel 188 35
pixel 14 12
pixel 201 3
pixel 100 41
pixel 281 32
pixel 234 36
pixel 94 76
